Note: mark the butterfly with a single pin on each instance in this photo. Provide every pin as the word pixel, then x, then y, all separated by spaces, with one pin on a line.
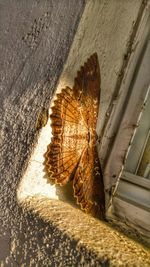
pixel 72 154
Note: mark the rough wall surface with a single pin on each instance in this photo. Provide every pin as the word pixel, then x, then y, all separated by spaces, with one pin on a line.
pixel 105 245
pixel 35 37
pixel 106 28
pixel 35 41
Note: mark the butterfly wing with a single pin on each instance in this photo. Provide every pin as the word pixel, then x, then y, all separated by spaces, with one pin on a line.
pixel 72 153
pixel 88 184
pixel 68 130
pixel 87 82
pixel 88 181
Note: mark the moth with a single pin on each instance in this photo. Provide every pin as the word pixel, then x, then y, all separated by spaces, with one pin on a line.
pixel 72 154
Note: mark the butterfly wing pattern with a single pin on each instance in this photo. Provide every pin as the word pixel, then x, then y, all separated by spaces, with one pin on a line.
pixel 72 154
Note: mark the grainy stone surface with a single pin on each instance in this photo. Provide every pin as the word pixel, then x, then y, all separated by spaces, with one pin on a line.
pixel 35 38
pixel 105 245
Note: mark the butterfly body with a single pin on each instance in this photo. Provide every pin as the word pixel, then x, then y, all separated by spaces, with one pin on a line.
pixel 72 154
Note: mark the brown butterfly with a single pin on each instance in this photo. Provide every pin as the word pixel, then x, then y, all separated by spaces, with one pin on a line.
pixel 72 154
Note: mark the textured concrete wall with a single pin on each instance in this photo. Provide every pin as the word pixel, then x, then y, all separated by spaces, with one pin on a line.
pixel 50 202
pixel 106 28
pixel 35 41
pixel 35 38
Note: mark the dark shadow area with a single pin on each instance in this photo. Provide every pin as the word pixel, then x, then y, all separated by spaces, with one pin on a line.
pixel 42 244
